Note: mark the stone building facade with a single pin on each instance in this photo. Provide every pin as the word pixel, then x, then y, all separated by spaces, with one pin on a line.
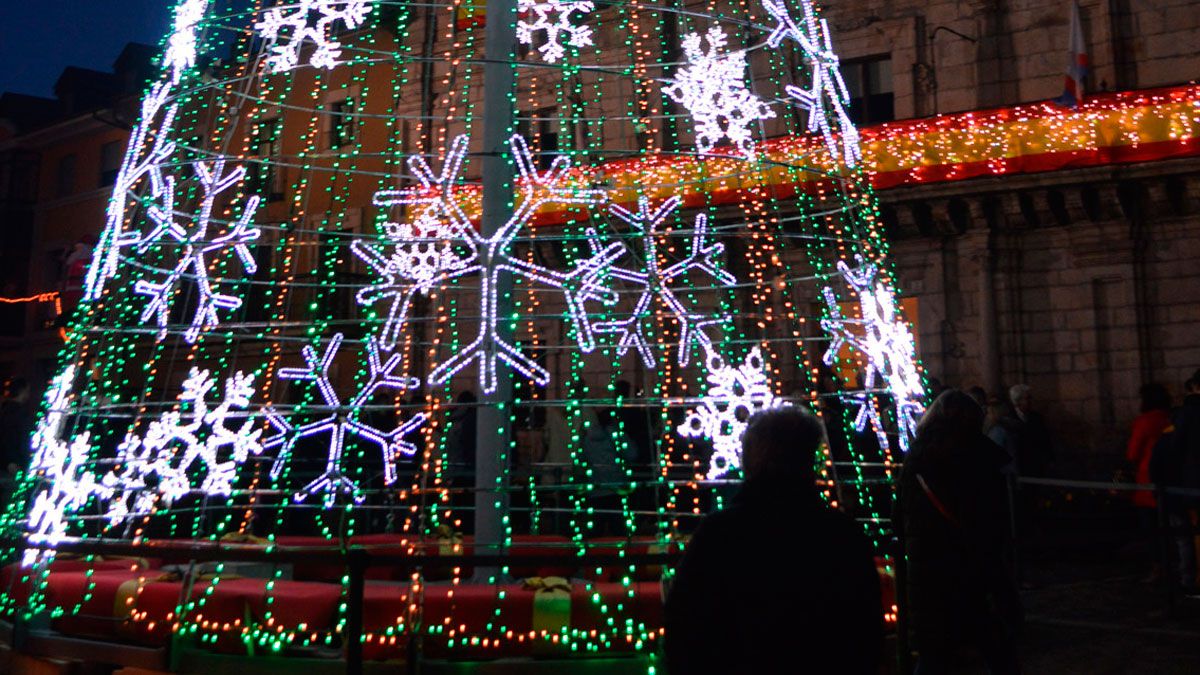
pixel 1082 283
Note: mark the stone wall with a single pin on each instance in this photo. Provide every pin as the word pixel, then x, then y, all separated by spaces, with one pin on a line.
pixel 1093 282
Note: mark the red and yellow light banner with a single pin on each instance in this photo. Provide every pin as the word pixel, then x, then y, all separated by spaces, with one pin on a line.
pixel 1120 128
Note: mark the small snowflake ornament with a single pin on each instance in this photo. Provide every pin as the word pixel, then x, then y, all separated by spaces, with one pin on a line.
pixel 713 89
pixel 196 448
pixel 554 18
pixel 290 25
pixel 735 394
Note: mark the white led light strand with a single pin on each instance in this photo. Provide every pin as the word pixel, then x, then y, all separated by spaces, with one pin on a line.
pixel 195 247
pixel 735 394
pixel 309 21
pixel 342 421
pixel 887 342
pixel 181 49
pixel 713 89
pixel 61 467
pixel 149 148
pixel 656 282
pixel 554 18
pixel 826 86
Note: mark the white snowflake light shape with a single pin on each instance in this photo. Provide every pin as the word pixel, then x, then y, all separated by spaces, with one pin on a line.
pixel 436 247
pixel 181 46
pixel 465 251
pixel 63 470
pixel 554 18
pixel 149 149
pixel 735 394
pixel 164 462
pixel 887 343
pixel 713 89
pixel 290 25
pixel 192 239
pixel 341 421
pixel 826 87
pixel 657 282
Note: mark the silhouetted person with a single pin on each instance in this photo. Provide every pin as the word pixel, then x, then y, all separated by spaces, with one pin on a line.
pixel 778 582
pixel 1035 444
pixel 952 516
pixel 1176 464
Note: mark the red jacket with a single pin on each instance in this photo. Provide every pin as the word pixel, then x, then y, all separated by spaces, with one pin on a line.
pixel 1147 429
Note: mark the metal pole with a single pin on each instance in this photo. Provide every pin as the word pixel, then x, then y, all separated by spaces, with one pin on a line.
pixel 356 562
pixel 494 429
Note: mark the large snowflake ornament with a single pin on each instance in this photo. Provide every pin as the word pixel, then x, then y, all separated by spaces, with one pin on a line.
pixel 290 25
pixel 826 93
pixel 887 343
pixel 342 420
pixel 191 238
pixel 655 281
pixel 554 17
pixel 197 448
pixel 460 250
pixel 735 394
pixel 713 89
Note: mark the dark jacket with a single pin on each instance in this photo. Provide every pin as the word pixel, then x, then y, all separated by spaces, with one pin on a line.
pixel 956 537
pixel 776 583
pixel 1176 458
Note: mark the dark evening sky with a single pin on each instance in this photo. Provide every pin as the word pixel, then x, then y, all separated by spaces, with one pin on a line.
pixel 38 38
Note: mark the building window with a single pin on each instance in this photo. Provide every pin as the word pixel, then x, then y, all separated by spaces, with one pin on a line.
pixel 869 82
pixel 65 185
pixel 110 162
pixel 343 123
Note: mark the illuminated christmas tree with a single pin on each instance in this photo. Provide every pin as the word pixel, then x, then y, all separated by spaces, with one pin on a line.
pixel 391 269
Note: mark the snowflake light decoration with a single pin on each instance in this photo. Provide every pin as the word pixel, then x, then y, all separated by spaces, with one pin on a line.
pixel 888 344
pixel 159 465
pixel 554 18
pixel 735 394
pixel 195 247
pixel 149 148
pixel 826 85
pixel 713 89
pixel 469 252
pixel 340 421
pixel 162 464
pixel 181 46
pixel 433 249
pixel 308 20
pixel 63 471
pixel 656 282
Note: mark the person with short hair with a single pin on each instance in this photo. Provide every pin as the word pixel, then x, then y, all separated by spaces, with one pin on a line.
pixel 1176 464
pixel 778 582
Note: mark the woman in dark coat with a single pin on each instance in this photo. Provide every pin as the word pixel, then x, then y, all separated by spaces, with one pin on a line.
pixel 952 514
